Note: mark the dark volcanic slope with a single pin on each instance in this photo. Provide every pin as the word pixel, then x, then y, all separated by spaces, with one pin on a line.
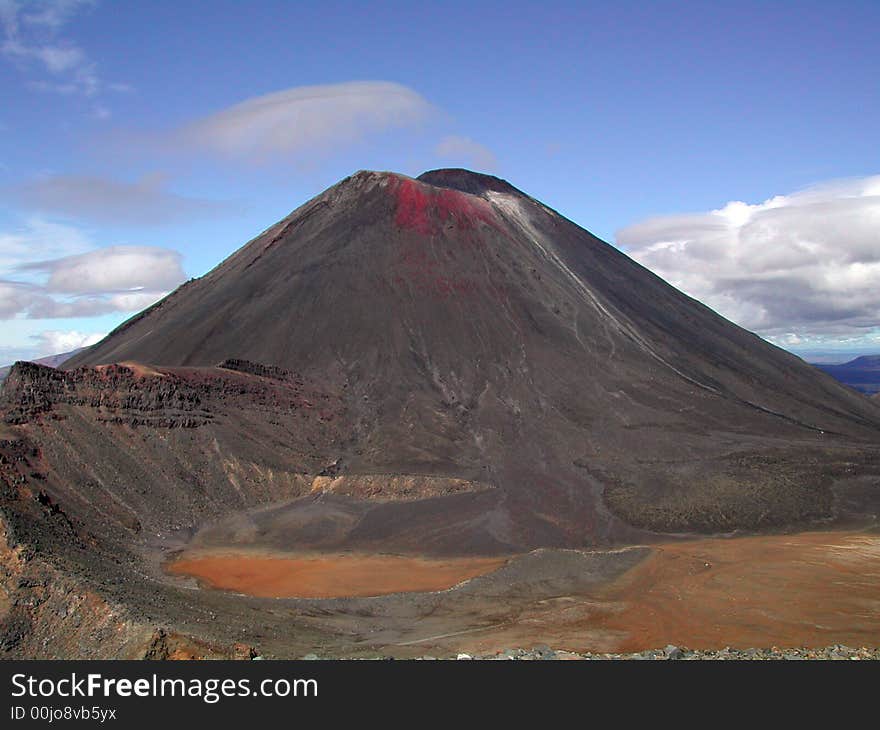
pixel 385 278
pixel 476 334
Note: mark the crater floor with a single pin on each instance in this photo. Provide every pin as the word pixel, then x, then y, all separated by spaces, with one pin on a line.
pixel 281 575
pixel 811 589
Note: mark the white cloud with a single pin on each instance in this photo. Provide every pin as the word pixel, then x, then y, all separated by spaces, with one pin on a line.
pixel 16 297
pixel 30 301
pixel 788 339
pixel 56 59
pixel 54 342
pixel 467 152
pixel 111 270
pixel 46 344
pixel 798 268
pixel 32 39
pixel 51 14
pixel 40 239
pixel 136 301
pixel 144 202
pixel 54 271
pixel 306 120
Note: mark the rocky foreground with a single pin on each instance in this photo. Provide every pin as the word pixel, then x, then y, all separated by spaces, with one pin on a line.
pixel 837 652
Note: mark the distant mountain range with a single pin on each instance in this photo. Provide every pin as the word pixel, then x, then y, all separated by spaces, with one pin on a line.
pixel 53 361
pixel 863 373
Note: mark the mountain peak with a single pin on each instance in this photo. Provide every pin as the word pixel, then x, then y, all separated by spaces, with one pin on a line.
pixel 450 178
pixel 466 181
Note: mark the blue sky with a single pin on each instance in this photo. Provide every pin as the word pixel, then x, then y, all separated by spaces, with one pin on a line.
pixel 730 146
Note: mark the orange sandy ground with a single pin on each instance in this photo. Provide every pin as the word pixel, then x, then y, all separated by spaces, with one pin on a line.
pixel 811 589
pixel 328 576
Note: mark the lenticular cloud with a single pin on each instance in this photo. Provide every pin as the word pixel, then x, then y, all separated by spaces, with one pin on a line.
pixel 306 119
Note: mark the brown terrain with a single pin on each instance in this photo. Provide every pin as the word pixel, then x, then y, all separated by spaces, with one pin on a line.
pixel 801 590
pixel 406 383
pixel 794 590
pixel 328 576
pixel 812 589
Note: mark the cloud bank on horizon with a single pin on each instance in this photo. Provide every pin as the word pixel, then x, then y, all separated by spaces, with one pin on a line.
pixel 51 271
pixel 801 269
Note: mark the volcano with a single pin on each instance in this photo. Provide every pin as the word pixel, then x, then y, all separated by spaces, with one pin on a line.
pixel 439 366
pixel 480 336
